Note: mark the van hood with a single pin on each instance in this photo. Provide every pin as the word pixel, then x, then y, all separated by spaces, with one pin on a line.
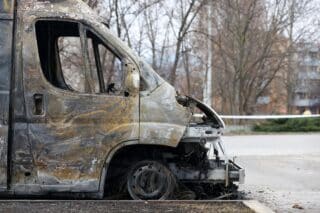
pixel 210 116
pixel 164 115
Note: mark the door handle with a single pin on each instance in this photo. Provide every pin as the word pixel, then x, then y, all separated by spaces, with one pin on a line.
pixel 38 104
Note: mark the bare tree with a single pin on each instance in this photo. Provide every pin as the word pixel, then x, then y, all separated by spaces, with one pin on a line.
pixel 246 50
pixel 187 16
pixel 250 50
pixel 253 43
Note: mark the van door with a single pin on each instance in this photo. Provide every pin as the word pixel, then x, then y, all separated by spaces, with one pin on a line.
pixel 6 23
pixel 78 104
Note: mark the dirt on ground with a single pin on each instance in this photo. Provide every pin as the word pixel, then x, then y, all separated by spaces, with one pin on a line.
pixel 78 206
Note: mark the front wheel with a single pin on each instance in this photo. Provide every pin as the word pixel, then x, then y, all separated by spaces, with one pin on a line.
pixel 150 180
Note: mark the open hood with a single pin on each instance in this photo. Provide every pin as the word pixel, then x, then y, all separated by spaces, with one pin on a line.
pixel 210 116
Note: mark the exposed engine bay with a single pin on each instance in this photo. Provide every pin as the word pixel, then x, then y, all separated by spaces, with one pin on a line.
pixel 198 168
pixel 202 140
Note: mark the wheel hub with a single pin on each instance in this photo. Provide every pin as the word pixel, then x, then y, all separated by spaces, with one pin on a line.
pixel 148 181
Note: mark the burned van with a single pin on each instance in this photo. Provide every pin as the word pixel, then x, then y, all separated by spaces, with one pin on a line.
pixel 81 114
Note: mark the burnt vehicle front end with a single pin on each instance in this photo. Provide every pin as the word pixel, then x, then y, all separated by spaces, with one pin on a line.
pixel 184 136
pixel 205 166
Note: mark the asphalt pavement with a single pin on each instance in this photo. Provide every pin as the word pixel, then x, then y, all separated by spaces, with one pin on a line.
pixel 282 171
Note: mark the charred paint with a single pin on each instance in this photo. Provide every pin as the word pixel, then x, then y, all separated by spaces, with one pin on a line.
pixel 63 141
pixel 65 147
pixel 6 7
pixel 5 76
pixel 162 119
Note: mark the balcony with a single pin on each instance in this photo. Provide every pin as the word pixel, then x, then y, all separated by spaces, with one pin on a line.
pixel 309 62
pixel 306 102
pixel 311 75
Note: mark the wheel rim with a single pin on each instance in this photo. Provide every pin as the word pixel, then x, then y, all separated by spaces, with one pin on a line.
pixel 149 180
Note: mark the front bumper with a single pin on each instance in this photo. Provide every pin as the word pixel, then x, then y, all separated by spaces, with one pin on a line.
pixel 218 172
pixel 226 172
pixel 238 174
pixel 220 169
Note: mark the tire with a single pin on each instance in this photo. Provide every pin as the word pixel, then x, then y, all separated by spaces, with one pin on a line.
pixel 150 180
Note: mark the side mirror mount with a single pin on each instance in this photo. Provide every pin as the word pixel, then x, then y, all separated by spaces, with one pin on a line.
pixel 131 79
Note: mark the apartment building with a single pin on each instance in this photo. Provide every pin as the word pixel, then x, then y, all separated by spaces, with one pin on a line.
pixel 307 89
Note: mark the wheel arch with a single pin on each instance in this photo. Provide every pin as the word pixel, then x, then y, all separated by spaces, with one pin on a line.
pixel 126 147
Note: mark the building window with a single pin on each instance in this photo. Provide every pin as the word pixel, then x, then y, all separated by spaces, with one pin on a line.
pixel 313 55
pixel 314 68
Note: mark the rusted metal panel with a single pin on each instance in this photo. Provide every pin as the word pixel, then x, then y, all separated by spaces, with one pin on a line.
pixel 6 9
pixel 65 148
pixel 6 6
pixel 162 119
pixel 5 73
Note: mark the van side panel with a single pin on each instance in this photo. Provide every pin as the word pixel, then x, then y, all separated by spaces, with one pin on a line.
pixel 5 76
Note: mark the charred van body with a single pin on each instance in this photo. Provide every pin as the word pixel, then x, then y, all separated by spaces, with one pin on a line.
pixel 128 133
